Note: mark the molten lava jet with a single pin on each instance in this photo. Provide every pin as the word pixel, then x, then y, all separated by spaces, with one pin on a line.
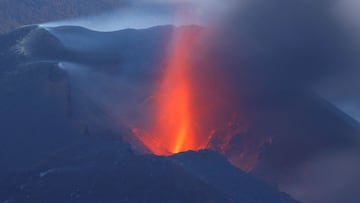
pixel 173 129
pixel 174 122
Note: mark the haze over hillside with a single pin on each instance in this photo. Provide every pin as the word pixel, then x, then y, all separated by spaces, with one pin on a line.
pixel 14 13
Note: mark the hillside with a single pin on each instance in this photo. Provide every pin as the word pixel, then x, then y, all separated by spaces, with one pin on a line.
pixel 59 135
pixel 14 13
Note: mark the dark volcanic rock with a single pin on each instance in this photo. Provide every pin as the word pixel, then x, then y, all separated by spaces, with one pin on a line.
pixel 215 170
pixel 105 170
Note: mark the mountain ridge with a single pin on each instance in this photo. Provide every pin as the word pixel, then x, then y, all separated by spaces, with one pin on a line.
pixel 15 13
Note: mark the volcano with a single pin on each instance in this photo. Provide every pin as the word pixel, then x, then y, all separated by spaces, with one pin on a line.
pixel 70 100
pixel 136 116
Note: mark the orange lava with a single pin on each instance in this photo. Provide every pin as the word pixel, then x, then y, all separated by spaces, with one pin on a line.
pixel 173 125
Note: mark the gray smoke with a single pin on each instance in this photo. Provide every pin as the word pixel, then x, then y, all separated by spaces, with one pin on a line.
pixel 277 50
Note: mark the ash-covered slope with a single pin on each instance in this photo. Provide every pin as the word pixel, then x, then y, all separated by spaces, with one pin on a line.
pixel 61 140
pixel 83 46
pixel 208 165
pixel 105 170
pixel 42 108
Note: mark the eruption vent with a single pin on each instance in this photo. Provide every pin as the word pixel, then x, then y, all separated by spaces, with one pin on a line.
pixel 195 106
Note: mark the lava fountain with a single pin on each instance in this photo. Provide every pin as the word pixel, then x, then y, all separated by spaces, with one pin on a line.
pixel 173 119
pixel 173 130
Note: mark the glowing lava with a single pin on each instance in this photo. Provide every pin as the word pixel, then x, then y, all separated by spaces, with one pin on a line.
pixel 174 127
